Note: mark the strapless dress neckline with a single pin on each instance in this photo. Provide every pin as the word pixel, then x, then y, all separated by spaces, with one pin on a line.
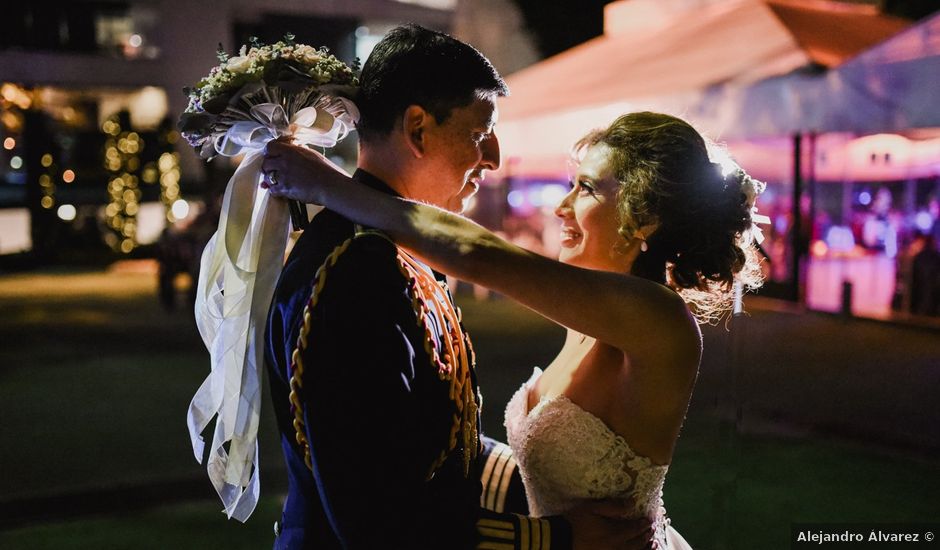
pixel 567 456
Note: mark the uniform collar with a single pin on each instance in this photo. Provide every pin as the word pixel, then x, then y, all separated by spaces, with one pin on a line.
pixel 373 181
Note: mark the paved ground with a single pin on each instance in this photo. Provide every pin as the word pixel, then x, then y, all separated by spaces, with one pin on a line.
pixel 796 417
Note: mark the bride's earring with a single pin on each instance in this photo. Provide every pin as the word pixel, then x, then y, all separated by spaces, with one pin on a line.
pixel 643 246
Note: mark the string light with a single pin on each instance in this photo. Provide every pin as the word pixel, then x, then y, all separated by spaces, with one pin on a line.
pixel 169 170
pixel 47 182
pixel 121 161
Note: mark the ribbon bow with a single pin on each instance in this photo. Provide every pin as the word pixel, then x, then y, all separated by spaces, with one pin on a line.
pixel 238 272
pixel 309 126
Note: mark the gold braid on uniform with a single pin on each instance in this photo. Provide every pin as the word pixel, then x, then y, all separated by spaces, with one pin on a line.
pixel 453 364
pixel 296 363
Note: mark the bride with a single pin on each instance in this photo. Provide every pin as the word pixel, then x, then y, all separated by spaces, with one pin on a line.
pixel 653 238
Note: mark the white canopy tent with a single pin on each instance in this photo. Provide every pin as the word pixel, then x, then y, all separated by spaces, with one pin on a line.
pixel 734 68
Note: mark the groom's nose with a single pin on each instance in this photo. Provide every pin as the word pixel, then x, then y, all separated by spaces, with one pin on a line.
pixel 490 149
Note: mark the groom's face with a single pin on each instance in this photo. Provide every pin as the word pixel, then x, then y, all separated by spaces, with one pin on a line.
pixel 459 152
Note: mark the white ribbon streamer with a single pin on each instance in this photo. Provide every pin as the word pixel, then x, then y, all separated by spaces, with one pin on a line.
pixel 237 275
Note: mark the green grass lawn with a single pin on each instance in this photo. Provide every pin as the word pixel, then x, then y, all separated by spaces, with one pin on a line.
pixel 95 379
pixel 718 497
pixel 182 526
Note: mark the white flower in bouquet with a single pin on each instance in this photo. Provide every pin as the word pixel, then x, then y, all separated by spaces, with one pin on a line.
pixel 291 76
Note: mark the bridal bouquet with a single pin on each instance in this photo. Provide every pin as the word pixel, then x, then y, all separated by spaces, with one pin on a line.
pixel 264 93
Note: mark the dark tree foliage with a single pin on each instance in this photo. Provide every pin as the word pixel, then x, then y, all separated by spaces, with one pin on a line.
pixel 560 25
pixel 911 9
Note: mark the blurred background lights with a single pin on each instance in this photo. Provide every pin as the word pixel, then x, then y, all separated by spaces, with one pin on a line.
pixel 180 209
pixel 840 238
pixel 16 162
pixel 924 221
pixel 516 199
pixel 68 176
pixel 16 95
pixel 9 143
pixel 66 212
pixel 864 198
pixel 534 195
pixel 552 194
pixel 135 40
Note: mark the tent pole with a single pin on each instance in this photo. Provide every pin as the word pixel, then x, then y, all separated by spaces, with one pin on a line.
pixel 796 228
pixel 811 192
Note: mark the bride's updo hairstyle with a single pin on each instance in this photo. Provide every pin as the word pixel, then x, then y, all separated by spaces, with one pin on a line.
pixel 703 243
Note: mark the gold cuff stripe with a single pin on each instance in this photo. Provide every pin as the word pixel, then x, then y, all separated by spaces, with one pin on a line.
pixel 490 545
pixel 485 478
pixel 496 533
pixel 495 524
pixel 525 525
pixel 536 534
pixel 504 484
pixel 495 478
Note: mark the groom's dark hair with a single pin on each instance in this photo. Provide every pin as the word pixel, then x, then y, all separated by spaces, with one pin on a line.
pixel 413 65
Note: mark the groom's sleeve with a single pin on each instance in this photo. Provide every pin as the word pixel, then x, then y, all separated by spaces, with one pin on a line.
pixel 503 490
pixel 504 522
pixel 519 532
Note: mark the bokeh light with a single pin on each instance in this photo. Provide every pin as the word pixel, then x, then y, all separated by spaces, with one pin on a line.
pixel 180 209
pixel 66 212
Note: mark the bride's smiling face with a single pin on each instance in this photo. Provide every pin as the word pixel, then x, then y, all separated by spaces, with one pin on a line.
pixel 589 219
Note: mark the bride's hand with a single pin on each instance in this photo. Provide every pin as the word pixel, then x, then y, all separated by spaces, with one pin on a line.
pixel 298 173
pixel 600 524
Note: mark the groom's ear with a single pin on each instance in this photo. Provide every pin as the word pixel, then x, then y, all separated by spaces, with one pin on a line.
pixel 415 122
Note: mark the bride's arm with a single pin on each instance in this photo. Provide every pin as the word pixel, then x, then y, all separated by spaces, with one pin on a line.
pixel 621 310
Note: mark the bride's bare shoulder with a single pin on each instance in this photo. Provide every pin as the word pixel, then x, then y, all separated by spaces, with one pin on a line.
pixel 668 331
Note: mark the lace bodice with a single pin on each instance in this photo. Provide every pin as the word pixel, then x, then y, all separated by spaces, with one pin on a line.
pixel 567 455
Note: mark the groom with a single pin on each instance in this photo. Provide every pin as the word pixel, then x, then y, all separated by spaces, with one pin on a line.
pixel 380 451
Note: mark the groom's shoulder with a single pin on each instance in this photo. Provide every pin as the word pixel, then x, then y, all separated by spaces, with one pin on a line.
pixel 329 231
pixel 349 253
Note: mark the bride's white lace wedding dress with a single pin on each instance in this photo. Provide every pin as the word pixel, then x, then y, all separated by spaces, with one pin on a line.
pixel 567 455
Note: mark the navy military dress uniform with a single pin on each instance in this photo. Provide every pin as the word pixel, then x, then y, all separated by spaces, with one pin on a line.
pixel 377 415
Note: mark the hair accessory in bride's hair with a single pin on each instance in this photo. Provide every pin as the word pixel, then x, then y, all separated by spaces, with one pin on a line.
pixel 751 188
